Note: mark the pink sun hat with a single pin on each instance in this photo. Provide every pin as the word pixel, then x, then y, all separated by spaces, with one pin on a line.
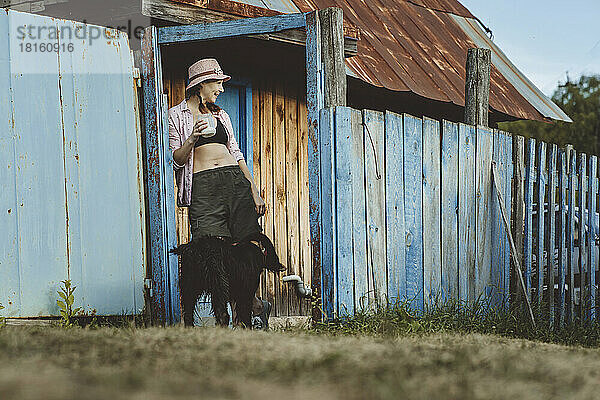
pixel 203 70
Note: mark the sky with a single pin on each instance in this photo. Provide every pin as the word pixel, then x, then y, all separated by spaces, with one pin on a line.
pixel 544 39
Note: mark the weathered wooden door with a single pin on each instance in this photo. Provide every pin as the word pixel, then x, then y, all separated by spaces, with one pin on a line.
pixel 71 202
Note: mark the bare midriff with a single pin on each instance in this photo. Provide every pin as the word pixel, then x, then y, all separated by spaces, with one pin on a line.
pixel 212 155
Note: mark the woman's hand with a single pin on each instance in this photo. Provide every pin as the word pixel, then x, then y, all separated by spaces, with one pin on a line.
pixel 199 126
pixel 261 207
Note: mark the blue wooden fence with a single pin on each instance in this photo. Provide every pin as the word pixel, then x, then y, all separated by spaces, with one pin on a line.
pixel 409 212
pixel 560 238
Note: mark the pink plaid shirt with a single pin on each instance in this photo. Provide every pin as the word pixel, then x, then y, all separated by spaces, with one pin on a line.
pixel 181 124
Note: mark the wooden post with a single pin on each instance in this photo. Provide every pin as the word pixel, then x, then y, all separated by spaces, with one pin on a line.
pixel 332 56
pixel 325 87
pixel 477 86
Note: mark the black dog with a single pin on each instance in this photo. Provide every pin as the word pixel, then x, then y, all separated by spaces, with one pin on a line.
pixel 227 271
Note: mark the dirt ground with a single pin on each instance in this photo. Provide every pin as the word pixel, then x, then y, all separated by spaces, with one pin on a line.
pixel 213 363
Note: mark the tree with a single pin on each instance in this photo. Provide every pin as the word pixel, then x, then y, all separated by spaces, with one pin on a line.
pixel 581 101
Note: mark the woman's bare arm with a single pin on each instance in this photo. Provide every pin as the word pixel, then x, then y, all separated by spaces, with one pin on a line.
pixel 181 155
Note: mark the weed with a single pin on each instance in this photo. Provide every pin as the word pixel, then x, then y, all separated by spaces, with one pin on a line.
pixel 67 312
pixel 481 316
pixel 2 319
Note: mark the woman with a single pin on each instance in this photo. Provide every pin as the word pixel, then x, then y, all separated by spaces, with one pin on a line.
pixel 211 173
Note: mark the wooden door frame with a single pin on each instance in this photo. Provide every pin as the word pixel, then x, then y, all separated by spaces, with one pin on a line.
pixel 322 58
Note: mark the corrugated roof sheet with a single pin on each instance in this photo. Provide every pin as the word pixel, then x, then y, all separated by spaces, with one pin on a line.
pixel 421 46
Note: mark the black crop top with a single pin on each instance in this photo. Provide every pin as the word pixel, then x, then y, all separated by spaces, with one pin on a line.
pixel 219 137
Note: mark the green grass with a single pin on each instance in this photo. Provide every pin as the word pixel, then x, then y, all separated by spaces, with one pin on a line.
pixel 214 363
pixel 457 317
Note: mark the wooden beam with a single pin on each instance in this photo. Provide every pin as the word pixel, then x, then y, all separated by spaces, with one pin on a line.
pixel 332 56
pixel 314 103
pixel 190 12
pixel 158 166
pixel 239 27
pixel 477 86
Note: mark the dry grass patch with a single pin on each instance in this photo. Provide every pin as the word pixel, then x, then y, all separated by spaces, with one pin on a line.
pixel 157 363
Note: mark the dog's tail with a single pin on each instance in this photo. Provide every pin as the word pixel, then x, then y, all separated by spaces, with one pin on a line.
pixel 272 262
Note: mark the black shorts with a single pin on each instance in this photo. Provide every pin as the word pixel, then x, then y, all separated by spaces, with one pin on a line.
pixel 222 204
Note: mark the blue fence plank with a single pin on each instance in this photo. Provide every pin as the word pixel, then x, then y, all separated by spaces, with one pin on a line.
pixel 432 251
pixel 359 211
pixel 528 226
pixel 562 254
pixel 9 220
pixel 570 233
pixel 541 180
pixel 39 173
pixel 344 210
pixel 508 174
pixel 497 232
pixel 592 232
pixel 413 209
pixel 484 193
pixel 467 212
pixel 550 232
pixel 394 201
pixel 375 175
pixel 238 27
pixel 449 210
pixel 327 132
pixel 581 214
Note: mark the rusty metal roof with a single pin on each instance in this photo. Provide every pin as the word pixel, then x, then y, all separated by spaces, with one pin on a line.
pixel 421 46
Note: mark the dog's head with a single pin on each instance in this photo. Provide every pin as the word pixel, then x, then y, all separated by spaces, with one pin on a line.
pixel 271 259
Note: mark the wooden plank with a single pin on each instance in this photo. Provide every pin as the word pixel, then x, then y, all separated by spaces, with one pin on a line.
pixel 583 299
pixel 191 12
pixel 374 131
pixel 508 174
pixel 279 195
pixel 570 235
pixel 359 212
pixel 432 250
pixel 256 165
pixel 551 228
pixel 518 206
pixel 266 171
pixel 449 193
pixel 592 232
pixel 413 209
pixel 541 180
pixel 497 233
pixel 314 103
pixel 292 197
pixel 394 202
pixel 151 72
pixel 528 225
pixel 332 56
pixel 240 27
pixel 467 212
pixel 484 193
pixel 344 211
pixel 562 229
pixel 328 234
pixel 305 245
pixel 500 272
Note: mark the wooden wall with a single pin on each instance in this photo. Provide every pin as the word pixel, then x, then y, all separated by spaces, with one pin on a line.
pixel 280 170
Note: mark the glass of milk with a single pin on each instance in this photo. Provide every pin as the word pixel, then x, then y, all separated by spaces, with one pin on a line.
pixel 211 129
